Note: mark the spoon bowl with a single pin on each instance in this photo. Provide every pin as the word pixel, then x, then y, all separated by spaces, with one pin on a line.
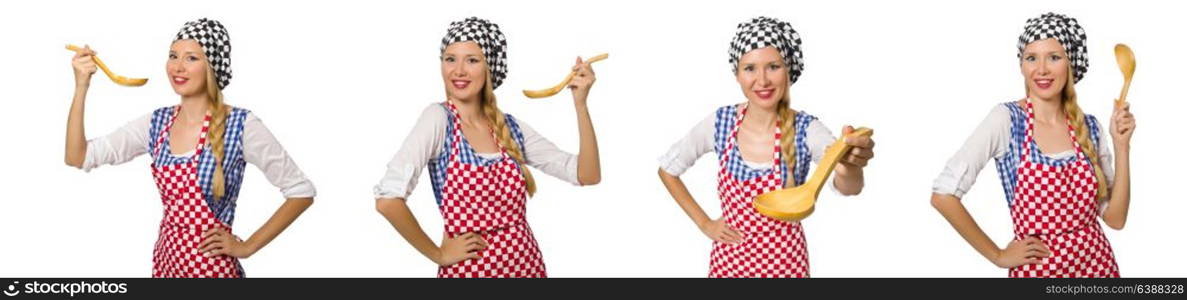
pixel 1127 63
pixel 796 203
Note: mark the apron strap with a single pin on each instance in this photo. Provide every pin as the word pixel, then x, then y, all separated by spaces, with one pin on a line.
pixel 202 135
pixel 164 133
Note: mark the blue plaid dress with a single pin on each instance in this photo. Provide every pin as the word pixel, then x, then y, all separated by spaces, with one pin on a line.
pixel 1007 164
pixel 233 162
pixel 466 154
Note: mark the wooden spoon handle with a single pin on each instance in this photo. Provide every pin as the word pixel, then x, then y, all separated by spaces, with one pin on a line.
pixel 95 58
pixel 597 58
pixel 561 86
pixel 831 157
pixel 569 78
pixel 1124 92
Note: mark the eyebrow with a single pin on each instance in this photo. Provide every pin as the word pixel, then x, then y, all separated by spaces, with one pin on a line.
pixel 1048 52
pixel 761 63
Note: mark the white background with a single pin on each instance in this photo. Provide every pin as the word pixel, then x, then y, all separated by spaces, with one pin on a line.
pixel 341 82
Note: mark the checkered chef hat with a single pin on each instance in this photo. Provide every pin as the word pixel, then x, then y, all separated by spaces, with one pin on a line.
pixel 489 38
pixel 216 43
pixel 763 32
pixel 1063 28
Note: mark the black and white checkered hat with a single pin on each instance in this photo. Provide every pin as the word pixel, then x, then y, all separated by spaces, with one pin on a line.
pixel 1064 29
pixel 216 43
pixel 488 37
pixel 768 32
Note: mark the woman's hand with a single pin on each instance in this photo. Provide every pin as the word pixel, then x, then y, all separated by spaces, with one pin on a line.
pixel 216 241
pixel 850 179
pixel 582 82
pixel 721 232
pixel 861 153
pixel 462 247
pixel 1027 251
pixel 84 67
pixel 1121 126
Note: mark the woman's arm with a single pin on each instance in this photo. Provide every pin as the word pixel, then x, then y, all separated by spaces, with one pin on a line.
pixel 452 250
pixel 1020 252
pixel 76 141
pixel 589 169
pixel 1121 129
pixel 683 198
pixel 217 241
pixel 1117 211
pixel 717 230
pixel 397 213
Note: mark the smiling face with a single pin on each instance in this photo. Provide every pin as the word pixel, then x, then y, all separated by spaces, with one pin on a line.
pixel 763 77
pixel 463 68
pixel 1045 67
pixel 187 68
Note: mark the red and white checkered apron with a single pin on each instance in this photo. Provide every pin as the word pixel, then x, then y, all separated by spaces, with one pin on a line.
pixel 770 247
pixel 186 217
pixel 491 201
pixel 1058 205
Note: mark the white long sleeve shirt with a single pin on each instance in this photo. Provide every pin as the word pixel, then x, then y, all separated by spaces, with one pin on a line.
pixel 260 148
pixel 426 143
pixel 991 140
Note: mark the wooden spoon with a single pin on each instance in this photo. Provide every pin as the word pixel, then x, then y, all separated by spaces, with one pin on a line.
pixel 1127 63
pixel 796 203
pixel 534 94
pixel 121 80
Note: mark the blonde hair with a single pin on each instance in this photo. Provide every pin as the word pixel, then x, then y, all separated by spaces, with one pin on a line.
pixel 498 124
pixel 1079 123
pixel 787 137
pixel 215 134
